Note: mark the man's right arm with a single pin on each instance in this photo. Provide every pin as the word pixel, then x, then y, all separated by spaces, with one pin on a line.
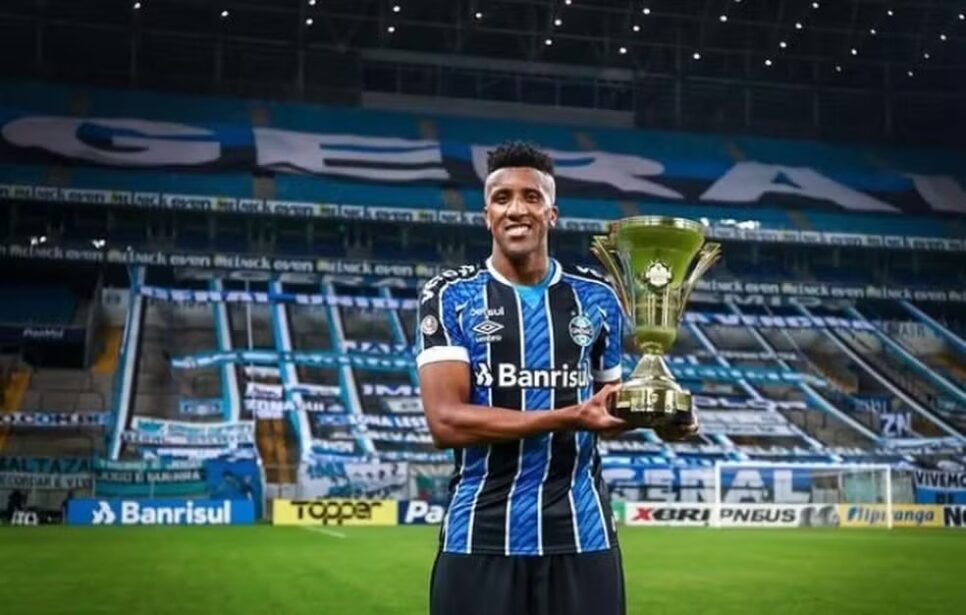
pixel 455 423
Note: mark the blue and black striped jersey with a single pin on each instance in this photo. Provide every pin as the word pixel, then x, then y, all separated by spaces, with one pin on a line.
pixel 544 494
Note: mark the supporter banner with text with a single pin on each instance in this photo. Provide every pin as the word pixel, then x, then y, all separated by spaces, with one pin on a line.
pixel 44 473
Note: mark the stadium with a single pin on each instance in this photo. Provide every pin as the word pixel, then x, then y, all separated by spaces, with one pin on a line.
pixel 220 220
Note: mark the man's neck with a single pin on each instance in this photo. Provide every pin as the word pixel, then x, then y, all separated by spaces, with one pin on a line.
pixel 527 271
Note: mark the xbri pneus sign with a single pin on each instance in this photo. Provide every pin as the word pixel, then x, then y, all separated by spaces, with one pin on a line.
pixel 335 512
pixel 667 514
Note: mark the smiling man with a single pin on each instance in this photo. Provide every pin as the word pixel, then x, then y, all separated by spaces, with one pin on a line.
pixel 509 355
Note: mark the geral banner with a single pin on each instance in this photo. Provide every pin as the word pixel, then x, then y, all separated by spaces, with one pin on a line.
pixel 53 419
pixel 781 515
pixel 45 473
pixel 330 511
pixel 321 478
pixel 662 483
pixel 124 131
pixel 165 432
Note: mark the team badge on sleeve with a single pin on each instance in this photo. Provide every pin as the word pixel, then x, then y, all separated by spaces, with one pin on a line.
pixel 429 325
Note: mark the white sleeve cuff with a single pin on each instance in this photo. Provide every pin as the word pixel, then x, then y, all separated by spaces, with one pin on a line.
pixel 607 375
pixel 442 353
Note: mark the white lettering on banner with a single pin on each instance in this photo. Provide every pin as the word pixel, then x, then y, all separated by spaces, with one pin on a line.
pixel 944 481
pixel 372 158
pixel 943 193
pixel 404 405
pixel 896 424
pixel 780 322
pixel 35 480
pixel 418 510
pixel 622 171
pixel 703 402
pixel 161 431
pixel 748 182
pixel 159 143
pixel 134 513
pixel 746 423
pixel 389 390
pixel 53 419
pixel 267 408
pixel 334 446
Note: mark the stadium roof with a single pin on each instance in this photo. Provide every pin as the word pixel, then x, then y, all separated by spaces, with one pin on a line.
pixel 331 48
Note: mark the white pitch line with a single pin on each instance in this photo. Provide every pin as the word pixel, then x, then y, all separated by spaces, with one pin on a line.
pixel 322 530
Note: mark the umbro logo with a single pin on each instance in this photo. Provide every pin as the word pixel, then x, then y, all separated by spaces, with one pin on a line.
pixel 486 332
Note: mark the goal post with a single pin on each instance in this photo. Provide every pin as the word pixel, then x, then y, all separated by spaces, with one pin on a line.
pixel 795 494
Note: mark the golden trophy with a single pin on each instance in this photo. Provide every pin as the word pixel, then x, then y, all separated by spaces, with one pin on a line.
pixel 649 259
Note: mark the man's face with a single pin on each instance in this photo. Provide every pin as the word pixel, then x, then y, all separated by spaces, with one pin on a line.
pixel 519 209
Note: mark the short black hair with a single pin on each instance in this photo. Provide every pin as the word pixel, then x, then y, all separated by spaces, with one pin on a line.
pixel 518 154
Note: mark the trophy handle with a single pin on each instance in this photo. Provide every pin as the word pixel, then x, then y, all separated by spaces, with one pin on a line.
pixel 603 248
pixel 707 257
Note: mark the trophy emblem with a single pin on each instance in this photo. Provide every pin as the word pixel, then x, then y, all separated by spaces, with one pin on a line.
pixel 655 262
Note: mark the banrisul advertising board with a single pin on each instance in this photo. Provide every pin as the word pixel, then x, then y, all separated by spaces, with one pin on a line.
pixel 159 512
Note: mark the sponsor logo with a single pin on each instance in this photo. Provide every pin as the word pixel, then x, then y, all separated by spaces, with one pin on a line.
pixel 335 512
pixel 582 331
pixel 24 517
pixel 429 325
pixel 487 313
pixel 954 516
pixel 509 376
pixel 486 331
pixel 48 333
pixel 903 515
pixel 159 512
pixel 667 515
pixel 657 274
pixel 103 514
pixel 420 512
pixel 759 515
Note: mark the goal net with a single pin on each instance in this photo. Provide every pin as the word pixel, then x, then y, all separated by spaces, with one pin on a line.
pixel 767 494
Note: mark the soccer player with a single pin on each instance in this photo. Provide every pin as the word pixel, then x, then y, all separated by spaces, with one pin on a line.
pixel 509 355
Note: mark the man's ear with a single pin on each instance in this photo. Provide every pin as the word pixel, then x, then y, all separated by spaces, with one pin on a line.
pixel 554 215
pixel 486 216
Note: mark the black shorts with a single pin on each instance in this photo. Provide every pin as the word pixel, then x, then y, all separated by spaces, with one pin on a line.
pixel 574 584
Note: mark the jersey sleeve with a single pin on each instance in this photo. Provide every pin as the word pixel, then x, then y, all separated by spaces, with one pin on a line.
pixel 608 349
pixel 439 335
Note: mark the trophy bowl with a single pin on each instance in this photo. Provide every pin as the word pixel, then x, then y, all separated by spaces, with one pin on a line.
pixel 655 262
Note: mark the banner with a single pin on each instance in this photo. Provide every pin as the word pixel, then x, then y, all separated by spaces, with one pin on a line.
pixel 938 486
pixel 321 478
pixel 45 473
pixel 200 407
pixel 159 512
pixel 747 423
pixel 167 433
pixel 731 515
pixel 430 482
pixel 122 133
pixel 335 512
pixel 903 515
pixel 53 419
pixel 420 512
pixel 667 514
pixel 225 477
pixel 184 295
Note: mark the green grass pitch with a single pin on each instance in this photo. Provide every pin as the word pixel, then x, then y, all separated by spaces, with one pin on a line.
pixel 290 571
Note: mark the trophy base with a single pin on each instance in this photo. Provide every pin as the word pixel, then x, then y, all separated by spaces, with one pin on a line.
pixel 651 397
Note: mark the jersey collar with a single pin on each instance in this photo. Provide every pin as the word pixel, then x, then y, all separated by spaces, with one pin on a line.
pixel 557 273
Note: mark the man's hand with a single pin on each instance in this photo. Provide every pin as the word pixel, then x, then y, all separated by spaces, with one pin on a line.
pixel 594 414
pixel 676 431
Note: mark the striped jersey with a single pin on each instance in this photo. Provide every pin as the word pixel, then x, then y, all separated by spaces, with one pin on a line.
pixel 533 352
